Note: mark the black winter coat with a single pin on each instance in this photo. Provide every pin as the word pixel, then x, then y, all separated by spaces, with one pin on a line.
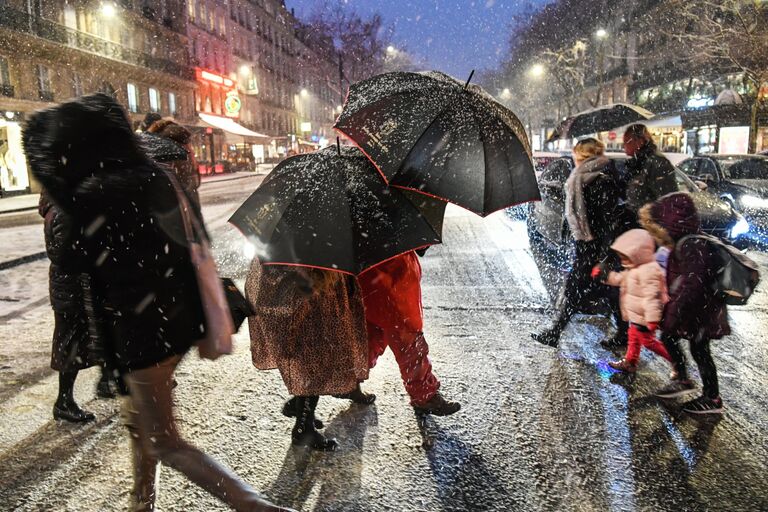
pixel 650 176
pixel 128 230
pixel 64 285
pixel 601 198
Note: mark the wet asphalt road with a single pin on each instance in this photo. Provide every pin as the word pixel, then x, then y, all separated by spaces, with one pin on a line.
pixel 539 429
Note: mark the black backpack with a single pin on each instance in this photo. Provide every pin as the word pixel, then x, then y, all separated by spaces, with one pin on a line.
pixel 737 274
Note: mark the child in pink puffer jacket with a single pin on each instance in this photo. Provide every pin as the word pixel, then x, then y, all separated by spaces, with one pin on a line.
pixel 643 294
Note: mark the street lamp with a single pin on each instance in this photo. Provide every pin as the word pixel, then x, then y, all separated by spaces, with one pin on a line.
pixel 391 50
pixel 245 70
pixel 537 70
pixel 339 108
pixel 506 93
pixel 304 93
pixel 601 33
pixel 108 10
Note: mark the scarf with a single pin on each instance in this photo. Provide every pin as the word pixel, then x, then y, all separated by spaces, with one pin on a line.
pixel 575 207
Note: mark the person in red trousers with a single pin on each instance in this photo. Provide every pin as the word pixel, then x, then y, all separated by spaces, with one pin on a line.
pixel 394 319
pixel 643 295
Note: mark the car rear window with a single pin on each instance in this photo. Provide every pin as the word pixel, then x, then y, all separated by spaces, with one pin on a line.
pixel 745 169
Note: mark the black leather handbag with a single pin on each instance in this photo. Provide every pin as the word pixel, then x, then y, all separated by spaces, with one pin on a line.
pixel 238 305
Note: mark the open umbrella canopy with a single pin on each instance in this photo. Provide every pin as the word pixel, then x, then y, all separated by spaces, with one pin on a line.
pixel 331 210
pixel 433 134
pixel 600 119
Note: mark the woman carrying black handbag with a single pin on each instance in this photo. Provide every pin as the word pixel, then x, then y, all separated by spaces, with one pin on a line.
pixel 131 244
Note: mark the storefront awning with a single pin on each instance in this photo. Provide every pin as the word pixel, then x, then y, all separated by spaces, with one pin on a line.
pixel 234 132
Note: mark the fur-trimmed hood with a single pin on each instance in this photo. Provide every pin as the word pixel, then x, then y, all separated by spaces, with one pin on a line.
pixel 670 218
pixel 74 145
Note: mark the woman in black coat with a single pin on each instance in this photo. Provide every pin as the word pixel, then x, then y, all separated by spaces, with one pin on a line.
pixel 71 351
pixel 143 300
pixel 592 206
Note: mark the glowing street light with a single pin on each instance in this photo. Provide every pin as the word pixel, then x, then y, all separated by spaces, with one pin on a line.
pixel 391 50
pixel 601 33
pixel 339 108
pixel 245 70
pixel 506 93
pixel 536 71
pixel 108 10
pixel 304 93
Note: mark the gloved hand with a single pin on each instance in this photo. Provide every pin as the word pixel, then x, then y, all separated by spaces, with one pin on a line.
pixel 600 272
pixel 653 326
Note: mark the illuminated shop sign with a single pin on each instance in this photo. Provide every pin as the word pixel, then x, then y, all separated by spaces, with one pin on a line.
pixel 207 76
pixel 232 104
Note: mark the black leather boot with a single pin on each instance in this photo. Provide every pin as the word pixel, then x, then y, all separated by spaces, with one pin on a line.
pixel 304 431
pixel 291 408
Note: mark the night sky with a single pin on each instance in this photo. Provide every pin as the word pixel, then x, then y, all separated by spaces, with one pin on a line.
pixel 454 36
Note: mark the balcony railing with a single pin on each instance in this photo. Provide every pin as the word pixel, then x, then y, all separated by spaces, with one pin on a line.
pixel 6 90
pixel 34 25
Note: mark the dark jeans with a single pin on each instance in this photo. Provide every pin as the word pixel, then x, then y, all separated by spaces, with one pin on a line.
pixel 703 357
pixel 580 288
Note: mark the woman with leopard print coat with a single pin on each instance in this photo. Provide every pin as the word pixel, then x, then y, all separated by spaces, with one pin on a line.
pixel 309 324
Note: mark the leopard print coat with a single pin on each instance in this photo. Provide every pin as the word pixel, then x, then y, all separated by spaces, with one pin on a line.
pixel 316 338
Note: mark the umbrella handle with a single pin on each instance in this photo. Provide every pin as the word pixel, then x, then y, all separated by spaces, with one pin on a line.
pixel 338 146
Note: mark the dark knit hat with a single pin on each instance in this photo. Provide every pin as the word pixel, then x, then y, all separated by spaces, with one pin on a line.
pixel 677 214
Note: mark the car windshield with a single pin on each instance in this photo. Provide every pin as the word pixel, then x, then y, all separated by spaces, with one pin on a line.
pixel 745 168
pixel 684 183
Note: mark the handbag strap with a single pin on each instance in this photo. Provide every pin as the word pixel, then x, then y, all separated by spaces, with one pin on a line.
pixel 191 223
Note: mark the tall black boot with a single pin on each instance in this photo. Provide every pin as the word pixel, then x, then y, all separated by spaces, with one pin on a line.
pixel 304 431
pixel 65 407
pixel 104 388
pixel 291 410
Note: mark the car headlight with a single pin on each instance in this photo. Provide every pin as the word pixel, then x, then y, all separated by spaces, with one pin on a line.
pixel 754 202
pixel 740 228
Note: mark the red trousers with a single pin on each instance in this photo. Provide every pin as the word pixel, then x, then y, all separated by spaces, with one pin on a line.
pixel 643 338
pixel 393 314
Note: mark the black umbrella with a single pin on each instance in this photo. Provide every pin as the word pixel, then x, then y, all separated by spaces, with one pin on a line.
pixel 430 133
pixel 331 210
pixel 161 149
pixel 600 119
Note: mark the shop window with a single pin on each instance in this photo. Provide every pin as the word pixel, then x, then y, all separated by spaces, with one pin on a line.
pixel 133 98
pixel 44 89
pixel 191 7
pixel 154 100
pixel 172 103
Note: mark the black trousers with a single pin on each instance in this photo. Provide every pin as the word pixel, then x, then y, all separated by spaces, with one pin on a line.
pixel 701 355
pixel 580 288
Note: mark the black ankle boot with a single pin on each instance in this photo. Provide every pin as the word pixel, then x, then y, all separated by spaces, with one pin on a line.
pixel 358 396
pixel 304 431
pixel 290 410
pixel 70 411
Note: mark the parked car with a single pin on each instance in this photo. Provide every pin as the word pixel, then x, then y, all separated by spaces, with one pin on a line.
pixel 541 159
pixel 741 181
pixel 550 238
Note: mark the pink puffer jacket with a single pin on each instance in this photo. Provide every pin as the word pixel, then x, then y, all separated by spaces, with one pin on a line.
pixel 643 285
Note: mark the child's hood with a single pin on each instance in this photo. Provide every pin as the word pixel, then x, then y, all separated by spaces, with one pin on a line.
pixel 637 245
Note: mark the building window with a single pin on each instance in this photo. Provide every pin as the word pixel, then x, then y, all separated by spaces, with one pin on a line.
pixel 77 85
pixel 133 98
pixel 5 76
pixel 44 83
pixel 172 103
pixel 191 7
pixel 154 100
